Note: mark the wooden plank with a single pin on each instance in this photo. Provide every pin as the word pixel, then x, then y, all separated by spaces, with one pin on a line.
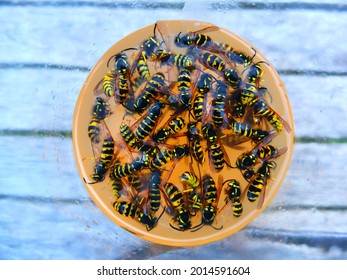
pixel 314 177
pixel 31 230
pixel 51 94
pixel 317 101
pixel 82 40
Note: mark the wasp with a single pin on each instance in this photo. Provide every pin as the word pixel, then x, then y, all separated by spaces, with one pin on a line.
pixel 135 182
pixel 261 109
pixel 119 170
pixel 210 201
pixel 180 151
pixel 255 72
pixel 106 157
pixel 133 209
pixel 173 126
pixel 216 155
pixel 147 50
pixel 117 187
pixel 122 68
pixel 109 84
pixel 142 66
pixel 232 194
pixel 249 93
pixel 154 86
pixel 148 122
pixel 246 130
pixel 232 77
pixel 147 148
pixel 263 152
pixel 101 109
pixel 169 58
pixel 194 138
pixel 184 87
pixel 209 133
pixel 189 179
pixel 128 136
pixel 176 202
pixel 162 157
pixel 154 191
pixel 212 62
pixel 259 182
pixel 196 38
pixel 203 86
pixel 218 103
pixel 235 56
pixel 94 130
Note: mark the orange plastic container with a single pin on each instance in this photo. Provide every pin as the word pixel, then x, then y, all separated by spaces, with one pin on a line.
pixel 225 223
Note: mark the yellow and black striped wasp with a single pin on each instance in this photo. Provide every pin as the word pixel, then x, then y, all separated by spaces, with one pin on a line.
pixel 146 124
pixel 219 118
pixel 136 209
pixel 184 86
pixel 234 56
pixel 128 136
pixel 170 58
pixel 97 127
pixel 154 194
pixel 258 183
pixel 244 132
pixel 120 170
pixel 194 139
pixel 232 194
pixel 104 161
pixel 170 128
pixel 146 50
pixel 192 188
pixel 196 38
pixel 176 207
pixel 217 154
pixel 261 152
pixel 232 77
pixel 210 198
pixel 262 109
pixel 212 62
pixel 154 88
pixel 163 157
pixel 94 130
pixel 247 161
pixel 123 88
pixel 203 86
pixel 101 109
pixel 166 155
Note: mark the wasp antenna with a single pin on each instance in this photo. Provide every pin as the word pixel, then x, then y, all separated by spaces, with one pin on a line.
pixel 128 49
pixel 197 227
pixel 217 228
pixel 161 214
pixel 229 180
pixel 108 62
pixel 255 52
pixel 263 61
pixel 155 29
pixel 175 227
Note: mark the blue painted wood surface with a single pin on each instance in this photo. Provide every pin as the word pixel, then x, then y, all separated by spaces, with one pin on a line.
pixel 46 49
